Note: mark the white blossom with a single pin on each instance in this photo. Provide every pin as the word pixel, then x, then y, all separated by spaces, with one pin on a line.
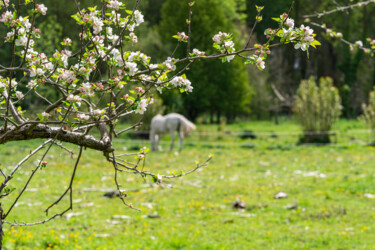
pixel 359 43
pixel 98 112
pixel 45 115
pixel 198 52
pixel 141 107
pixel 138 17
pixel 41 8
pixel 6 17
pixel 19 94
pixel 260 63
pixel 132 67
pixel 114 4
pixel 83 117
pixel 218 38
pixel 31 84
pixel 290 22
pixel 86 89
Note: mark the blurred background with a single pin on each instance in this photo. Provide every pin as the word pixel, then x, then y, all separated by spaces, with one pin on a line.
pixel 236 91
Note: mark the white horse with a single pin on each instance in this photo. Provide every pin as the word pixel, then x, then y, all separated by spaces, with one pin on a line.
pixel 169 123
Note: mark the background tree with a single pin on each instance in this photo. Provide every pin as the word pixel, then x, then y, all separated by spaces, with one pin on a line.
pixel 221 89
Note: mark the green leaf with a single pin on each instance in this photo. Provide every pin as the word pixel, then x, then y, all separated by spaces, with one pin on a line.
pixel 41 118
pixel 276 19
pixel 315 43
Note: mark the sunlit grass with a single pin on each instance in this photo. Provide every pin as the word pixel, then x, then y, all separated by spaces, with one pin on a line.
pixel 327 183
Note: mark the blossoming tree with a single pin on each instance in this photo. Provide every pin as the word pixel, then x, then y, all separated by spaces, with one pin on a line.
pixel 100 83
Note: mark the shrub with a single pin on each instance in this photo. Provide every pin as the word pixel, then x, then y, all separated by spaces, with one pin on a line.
pixel 369 112
pixel 317 108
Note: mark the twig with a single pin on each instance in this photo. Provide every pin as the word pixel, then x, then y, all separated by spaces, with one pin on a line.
pixel 319 15
pixel 70 187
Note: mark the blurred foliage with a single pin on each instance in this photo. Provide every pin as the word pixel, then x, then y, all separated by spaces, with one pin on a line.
pixel 352 71
pixel 220 89
pixel 229 90
pixel 369 112
pixel 317 108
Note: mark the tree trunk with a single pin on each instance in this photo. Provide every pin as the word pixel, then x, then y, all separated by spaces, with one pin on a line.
pixel 1 227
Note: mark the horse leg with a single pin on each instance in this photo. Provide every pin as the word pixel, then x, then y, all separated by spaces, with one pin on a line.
pixel 157 139
pixel 180 139
pixel 153 140
pixel 172 139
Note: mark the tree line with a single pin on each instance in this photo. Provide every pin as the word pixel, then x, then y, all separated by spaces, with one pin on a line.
pixel 232 90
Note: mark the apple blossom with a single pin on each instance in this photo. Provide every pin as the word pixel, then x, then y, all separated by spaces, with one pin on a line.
pixel 260 63
pixel 41 8
pixel 86 89
pixel 45 115
pixel 198 53
pixel 19 94
pixel 98 112
pixel 7 16
pixel 74 99
pixel 114 4
pixel 138 17
pixel 290 22
pixel 131 67
pixel 218 38
pixel 4 3
pixel 359 43
pixel 83 117
pixel 32 84
pixel 141 107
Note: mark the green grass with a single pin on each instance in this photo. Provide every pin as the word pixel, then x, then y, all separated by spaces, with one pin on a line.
pixel 195 212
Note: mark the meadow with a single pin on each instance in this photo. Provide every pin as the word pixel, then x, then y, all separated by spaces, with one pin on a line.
pixel 326 205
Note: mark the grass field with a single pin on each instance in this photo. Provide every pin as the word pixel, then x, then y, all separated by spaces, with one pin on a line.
pixel 325 183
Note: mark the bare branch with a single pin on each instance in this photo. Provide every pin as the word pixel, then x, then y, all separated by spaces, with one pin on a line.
pixel 343 8
pixel 70 187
